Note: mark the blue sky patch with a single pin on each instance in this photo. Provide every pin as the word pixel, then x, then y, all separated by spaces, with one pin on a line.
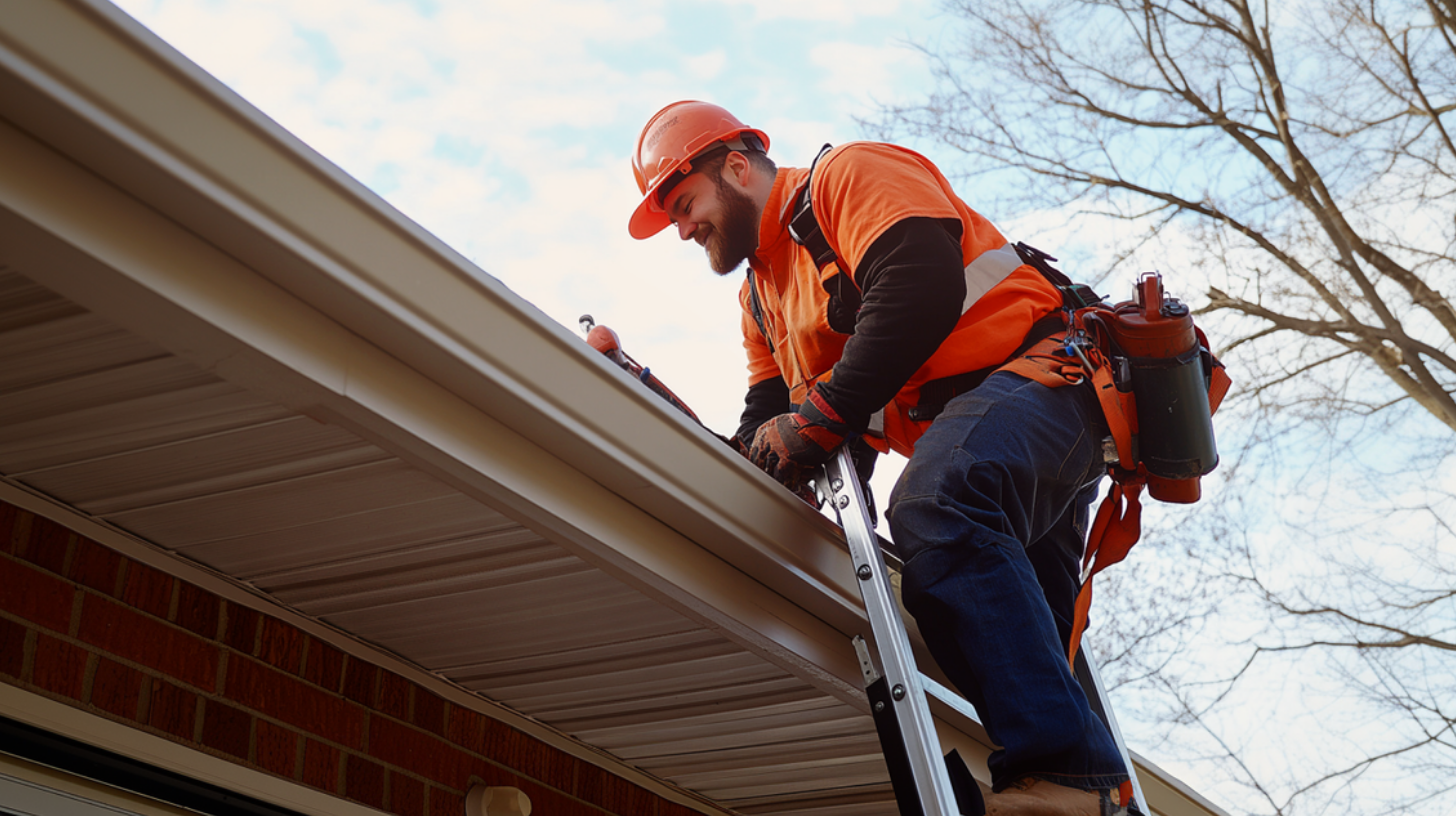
pixel 321 52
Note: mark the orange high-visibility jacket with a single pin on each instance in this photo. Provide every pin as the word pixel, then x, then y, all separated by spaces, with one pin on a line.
pixel 859 190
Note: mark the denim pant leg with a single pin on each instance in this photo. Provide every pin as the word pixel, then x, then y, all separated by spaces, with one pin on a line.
pixel 1009 466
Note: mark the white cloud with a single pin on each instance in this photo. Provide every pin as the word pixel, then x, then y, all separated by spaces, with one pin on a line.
pixel 863 73
pixel 707 66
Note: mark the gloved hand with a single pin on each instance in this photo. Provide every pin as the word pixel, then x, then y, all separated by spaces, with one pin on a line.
pixel 790 446
pixel 733 442
pixel 804 491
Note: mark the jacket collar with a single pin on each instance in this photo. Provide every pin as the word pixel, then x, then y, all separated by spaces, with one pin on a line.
pixel 773 226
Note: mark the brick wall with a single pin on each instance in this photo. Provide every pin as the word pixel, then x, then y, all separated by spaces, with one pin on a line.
pixel 85 625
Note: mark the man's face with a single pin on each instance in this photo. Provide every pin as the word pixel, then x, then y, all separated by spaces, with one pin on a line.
pixel 710 209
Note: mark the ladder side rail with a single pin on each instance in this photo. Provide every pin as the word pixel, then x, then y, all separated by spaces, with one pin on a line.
pixel 1090 678
pixel 917 729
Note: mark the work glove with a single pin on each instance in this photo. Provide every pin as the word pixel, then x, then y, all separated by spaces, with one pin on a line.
pixel 790 446
pixel 733 442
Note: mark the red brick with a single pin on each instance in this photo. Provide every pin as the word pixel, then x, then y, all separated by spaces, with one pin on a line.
pixel 226 728
pixel 394 695
pixel 197 610
pixel 276 748
pixel 321 765
pixel 666 808
pixel 446 802
pixel 546 800
pixel 359 681
pixel 502 743
pixel 612 793
pixel 150 642
pixel 117 689
pixel 95 566
pixel 148 589
pixel 48 544
pixel 12 648
pixel 28 593
pixel 325 665
pixel 415 751
pixel 406 795
pixel 364 781
pixel 547 764
pixel 173 710
pixel 466 729
pixel 242 628
pixel 281 645
pixel 429 712
pixel 487 773
pixel 10 524
pixel 295 702
pixel 59 667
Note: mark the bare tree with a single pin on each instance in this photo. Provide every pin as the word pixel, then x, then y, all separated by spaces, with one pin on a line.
pixel 1299 159
pixel 1306 148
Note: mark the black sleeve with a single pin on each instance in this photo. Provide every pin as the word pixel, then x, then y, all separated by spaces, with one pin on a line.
pixel 913 284
pixel 765 400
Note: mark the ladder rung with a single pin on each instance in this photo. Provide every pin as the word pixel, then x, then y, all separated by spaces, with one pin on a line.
pixel 950 698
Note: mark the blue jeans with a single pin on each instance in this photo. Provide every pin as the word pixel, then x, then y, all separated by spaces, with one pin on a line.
pixel 990 517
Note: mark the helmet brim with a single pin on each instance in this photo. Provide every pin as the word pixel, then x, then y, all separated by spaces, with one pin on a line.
pixel 649 218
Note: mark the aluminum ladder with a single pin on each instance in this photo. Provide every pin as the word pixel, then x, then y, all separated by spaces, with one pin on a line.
pixel 925 783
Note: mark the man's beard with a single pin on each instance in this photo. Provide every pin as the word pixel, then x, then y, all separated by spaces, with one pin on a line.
pixel 730 245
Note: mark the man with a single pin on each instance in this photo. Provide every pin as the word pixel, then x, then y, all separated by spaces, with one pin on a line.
pixel 893 334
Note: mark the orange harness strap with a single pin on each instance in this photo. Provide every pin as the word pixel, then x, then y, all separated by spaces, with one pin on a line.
pixel 1117 527
pixel 1118 524
pixel 1221 382
pixel 1044 364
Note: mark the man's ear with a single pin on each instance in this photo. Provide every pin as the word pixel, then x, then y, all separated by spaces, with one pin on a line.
pixel 737 168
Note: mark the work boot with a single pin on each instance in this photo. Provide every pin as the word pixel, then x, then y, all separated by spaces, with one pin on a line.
pixel 1038 797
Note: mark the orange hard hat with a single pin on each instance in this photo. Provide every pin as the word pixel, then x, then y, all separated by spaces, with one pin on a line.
pixel 673 137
